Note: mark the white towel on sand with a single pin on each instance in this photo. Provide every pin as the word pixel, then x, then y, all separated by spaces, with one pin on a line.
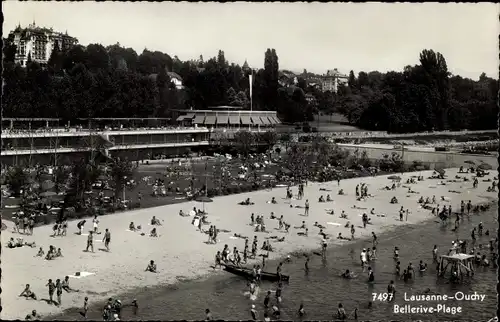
pixel 82 274
pixel 233 237
pixel 334 223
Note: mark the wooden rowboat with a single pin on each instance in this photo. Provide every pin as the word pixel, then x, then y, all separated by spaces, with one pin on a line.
pixel 247 273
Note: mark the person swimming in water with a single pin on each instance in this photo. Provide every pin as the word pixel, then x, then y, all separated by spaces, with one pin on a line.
pixel 347 274
pixel 422 267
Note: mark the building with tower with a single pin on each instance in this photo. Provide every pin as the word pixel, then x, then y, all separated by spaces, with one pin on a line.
pixel 38 43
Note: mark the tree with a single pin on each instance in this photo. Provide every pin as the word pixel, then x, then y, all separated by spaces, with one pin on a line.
pixel 55 62
pixel 17 180
pixel 244 140
pixel 121 171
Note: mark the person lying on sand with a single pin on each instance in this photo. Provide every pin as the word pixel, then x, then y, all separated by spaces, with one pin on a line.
pixel 318 225
pixel 153 233
pixel 411 191
pixel 342 237
pixel 321 199
pixel 324 189
pixel 304 233
pixel 155 222
pixel 240 236
pixel 330 211
pixel 183 214
pixel 372 212
pixel 246 202
pixel 40 253
pixel 27 293
pixel 356 207
pixel 151 267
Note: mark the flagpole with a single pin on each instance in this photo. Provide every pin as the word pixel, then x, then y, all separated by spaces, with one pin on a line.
pixel 251 87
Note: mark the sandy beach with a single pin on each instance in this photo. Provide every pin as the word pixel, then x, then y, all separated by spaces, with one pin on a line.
pixel 181 251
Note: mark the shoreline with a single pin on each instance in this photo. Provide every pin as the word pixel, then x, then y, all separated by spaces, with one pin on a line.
pixel 220 274
pixel 188 254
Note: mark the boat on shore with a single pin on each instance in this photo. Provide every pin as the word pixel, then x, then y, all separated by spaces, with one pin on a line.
pixel 247 273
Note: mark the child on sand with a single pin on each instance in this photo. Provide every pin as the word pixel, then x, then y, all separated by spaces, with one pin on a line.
pixel 65 285
pixel 151 267
pixel 28 293
pixel 40 253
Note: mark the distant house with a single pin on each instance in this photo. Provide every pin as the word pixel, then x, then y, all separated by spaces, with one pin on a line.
pixel 332 80
pixel 176 79
pixel 286 79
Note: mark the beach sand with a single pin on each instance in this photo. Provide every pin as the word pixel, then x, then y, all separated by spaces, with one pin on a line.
pixel 181 251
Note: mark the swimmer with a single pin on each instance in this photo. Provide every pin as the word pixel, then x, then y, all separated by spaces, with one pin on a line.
pixel 347 274
pixel 422 267
pixel 371 276
pixel 301 312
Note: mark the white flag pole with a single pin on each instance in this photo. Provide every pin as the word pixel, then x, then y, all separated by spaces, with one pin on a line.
pixel 251 85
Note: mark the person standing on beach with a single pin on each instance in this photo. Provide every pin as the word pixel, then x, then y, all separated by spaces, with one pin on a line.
pixel 352 232
pixel 306 211
pixel 375 242
pixel 52 288
pixel 59 291
pixel 90 242
pixel 85 307
pixel 323 248
pixel 107 239
pixel 95 223
pixel 469 206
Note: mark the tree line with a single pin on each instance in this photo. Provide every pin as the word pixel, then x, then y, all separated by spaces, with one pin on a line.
pixel 113 81
pixel 423 97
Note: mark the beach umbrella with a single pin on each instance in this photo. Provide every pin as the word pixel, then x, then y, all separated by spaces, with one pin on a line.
pixel 48 184
pixel 395 178
pixel 203 199
pixel 48 194
pixel 470 162
pixel 485 166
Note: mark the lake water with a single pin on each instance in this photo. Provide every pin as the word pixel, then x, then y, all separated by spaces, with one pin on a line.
pixel 322 289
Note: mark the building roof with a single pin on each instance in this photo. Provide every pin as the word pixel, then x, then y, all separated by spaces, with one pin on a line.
pixel 245 65
pixel 174 75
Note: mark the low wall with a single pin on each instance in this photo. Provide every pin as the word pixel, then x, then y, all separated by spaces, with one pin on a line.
pixel 431 158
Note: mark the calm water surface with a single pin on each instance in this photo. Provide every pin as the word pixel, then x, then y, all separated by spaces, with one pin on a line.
pixel 321 289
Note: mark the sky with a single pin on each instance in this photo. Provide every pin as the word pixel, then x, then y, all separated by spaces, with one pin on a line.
pixel 312 36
